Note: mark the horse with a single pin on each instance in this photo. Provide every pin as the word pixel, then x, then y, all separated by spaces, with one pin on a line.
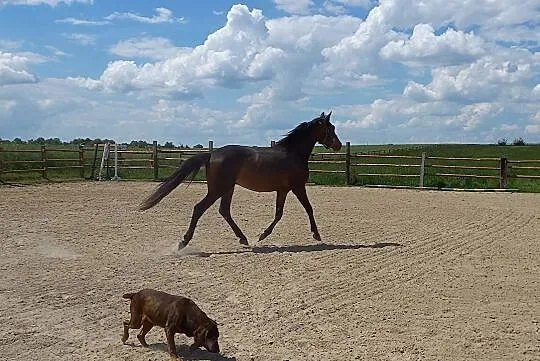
pixel 280 168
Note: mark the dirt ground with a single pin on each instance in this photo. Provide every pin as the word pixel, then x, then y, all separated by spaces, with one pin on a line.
pixel 401 275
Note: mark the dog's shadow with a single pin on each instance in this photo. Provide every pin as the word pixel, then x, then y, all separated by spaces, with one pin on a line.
pixel 183 351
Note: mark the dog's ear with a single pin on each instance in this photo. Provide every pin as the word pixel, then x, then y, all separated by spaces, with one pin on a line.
pixel 200 335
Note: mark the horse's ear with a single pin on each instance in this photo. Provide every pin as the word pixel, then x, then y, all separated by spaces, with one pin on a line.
pixel 322 115
pixel 327 118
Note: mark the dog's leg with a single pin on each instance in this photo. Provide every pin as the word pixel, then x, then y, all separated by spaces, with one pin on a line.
pixel 170 341
pixel 147 326
pixel 126 332
pixel 134 322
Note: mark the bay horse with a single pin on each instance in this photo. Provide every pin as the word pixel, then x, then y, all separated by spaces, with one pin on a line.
pixel 281 168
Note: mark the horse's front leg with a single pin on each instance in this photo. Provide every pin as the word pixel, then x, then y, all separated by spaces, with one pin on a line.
pixel 280 202
pixel 300 193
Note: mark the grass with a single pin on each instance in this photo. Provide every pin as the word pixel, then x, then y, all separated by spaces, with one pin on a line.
pixel 169 161
pixel 431 179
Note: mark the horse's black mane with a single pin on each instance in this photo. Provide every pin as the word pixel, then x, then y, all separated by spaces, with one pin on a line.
pixel 300 132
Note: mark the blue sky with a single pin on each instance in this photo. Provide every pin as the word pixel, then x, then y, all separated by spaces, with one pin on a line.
pixel 392 71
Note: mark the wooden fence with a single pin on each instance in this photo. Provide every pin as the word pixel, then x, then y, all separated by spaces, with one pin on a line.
pixel 350 166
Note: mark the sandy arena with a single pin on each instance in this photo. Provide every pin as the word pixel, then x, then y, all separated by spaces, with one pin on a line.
pixel 402 275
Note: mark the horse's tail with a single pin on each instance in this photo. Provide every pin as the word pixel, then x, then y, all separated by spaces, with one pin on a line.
pixel 190 165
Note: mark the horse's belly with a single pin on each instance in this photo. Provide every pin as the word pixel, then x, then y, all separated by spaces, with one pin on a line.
pixel 261 181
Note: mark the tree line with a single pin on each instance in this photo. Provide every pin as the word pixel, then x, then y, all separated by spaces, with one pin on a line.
pixel 92 142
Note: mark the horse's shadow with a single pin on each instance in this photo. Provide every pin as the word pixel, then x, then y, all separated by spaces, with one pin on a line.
pixel 319 247
pixel 186 354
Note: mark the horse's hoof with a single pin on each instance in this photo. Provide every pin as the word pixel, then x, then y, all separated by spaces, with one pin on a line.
pixel 181 246
pixel 317 237
pixel 244 242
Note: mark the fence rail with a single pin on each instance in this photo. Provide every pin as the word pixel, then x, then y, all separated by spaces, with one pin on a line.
pixel 346 164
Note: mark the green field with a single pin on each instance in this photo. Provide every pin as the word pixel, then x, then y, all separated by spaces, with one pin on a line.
pixel 431 179
pixel 361 166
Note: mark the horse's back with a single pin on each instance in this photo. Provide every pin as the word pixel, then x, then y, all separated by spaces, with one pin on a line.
pixel 261 169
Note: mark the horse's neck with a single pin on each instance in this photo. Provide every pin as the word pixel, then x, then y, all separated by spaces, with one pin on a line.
pixel 303 149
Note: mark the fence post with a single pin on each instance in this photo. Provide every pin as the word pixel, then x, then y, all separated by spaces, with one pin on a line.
pixel 348 163
pixel 44 161
pixel 155 160
pixel 210 145
pixel 93 175
pixel 422 169
pixel 272 143
pixel 81 159
pixel 504 173
pixel 1 161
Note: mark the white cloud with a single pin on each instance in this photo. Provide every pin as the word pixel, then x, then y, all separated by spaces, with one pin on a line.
pixel 361 3
pixel 82 39
pixel 10 44
pixel 533 129
pixel 163 15
pixel 14 67
pixel 294 6
pixel 74 21
pixel 509 127
pixel 411 71
pixel 56 108
pixel 147 47
pixel 52 3
pixel 491 77
pixel 55 51
pixel 473 115
pixel 425 48
pixel 232 55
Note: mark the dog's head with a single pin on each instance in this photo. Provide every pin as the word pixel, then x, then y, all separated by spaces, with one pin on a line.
pixel 207 336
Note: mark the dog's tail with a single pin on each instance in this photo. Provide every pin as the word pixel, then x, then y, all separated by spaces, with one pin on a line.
pixel 129 295
pixel 191 165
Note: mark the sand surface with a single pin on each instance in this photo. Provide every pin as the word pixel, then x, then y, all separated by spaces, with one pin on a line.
pixel 401 275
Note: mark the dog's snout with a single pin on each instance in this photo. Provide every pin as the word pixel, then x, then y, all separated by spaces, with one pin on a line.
pixel 213 346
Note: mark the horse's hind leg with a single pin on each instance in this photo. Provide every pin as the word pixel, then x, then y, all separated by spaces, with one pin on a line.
pixel 280 202
pixel 225 211
pixel 198 211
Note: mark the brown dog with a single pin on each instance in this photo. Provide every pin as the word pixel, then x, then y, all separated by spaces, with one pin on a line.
pixel 176 314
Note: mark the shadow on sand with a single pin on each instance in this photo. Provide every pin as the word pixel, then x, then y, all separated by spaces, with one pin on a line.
pixel 292 249
pixel 186 354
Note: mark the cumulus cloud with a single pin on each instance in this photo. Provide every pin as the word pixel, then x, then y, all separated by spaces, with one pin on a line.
pixel 163 15
pixel 14 67
pixel 490 77
pixel 230 56
pixel 409 65
pixel 471 116
pixel 424 48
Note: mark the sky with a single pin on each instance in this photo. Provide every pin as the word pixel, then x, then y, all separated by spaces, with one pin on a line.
pixel 391 71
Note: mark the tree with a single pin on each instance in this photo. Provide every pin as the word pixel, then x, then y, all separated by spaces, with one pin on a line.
pixel 518 141
pixel 198 146
pixel 502 141
pixel 169 145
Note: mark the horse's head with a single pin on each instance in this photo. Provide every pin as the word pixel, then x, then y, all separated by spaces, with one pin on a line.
pixel 325 132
